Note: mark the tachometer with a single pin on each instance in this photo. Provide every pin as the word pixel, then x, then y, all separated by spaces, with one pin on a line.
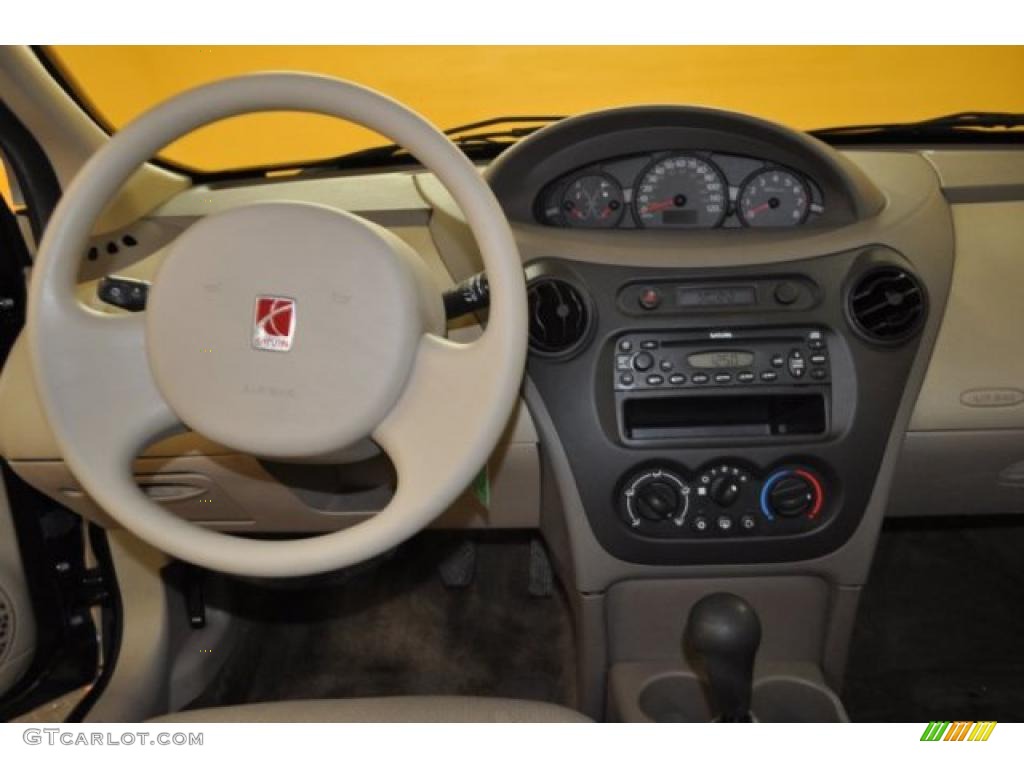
pixel 773 197
pixel 681 191
pixel 594 200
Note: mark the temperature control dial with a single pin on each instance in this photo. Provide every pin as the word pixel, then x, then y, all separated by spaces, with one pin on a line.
pixel 655 495
pixel 792 493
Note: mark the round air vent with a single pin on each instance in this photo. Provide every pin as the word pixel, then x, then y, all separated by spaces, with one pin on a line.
pixel 559 316
pixel 6 625
pixel 887 304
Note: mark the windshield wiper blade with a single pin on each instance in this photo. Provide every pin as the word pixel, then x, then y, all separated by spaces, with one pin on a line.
pixel 476 143
pixel 958 124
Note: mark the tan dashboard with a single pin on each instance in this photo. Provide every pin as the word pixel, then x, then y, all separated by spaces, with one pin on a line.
pixel 972 397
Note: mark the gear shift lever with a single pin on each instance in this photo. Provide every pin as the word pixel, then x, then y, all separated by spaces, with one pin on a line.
pixel 723 632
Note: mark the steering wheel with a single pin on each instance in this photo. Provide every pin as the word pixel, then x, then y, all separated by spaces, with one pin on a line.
pixel 280 329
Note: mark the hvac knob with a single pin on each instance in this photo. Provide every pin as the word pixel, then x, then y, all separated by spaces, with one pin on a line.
pixel 657 500
pixel 792 493
pixel 724 491
pixel 655 495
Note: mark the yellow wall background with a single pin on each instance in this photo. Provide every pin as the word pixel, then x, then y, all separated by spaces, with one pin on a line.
pixel 802 86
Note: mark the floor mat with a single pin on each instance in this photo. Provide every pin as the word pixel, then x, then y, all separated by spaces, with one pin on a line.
pixel 391 627
pixel 941 625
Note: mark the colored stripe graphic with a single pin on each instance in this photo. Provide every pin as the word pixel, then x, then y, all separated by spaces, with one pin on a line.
pixel 960 730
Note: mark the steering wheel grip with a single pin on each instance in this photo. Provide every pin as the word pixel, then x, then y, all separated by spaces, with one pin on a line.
pixel 106 398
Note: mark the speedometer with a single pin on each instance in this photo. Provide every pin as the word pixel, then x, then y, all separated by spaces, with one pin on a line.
pixel 681 191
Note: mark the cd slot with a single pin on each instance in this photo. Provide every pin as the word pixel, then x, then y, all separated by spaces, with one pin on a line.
pixel 740 415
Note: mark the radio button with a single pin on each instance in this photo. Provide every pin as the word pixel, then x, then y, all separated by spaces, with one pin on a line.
pixel 623 362
pixel 778 360
pixel 818 359
pixel 655 380
pixel 786 293
pixel 818 374
pixel 723 378
pixel 797 364
pixel 769 376
pixel 744 377
pixel 625 346
pixel 748 522
pixel 626 379
pixel 677 379
pixel 665 365
pixel 700 524
pixel 644 361
pixel 649 344
pixel 724 523
pixel 700 378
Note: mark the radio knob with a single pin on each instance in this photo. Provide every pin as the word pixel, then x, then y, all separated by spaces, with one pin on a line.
pixel 643 361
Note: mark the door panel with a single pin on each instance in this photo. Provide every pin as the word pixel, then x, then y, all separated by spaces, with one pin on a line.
pixel 17 621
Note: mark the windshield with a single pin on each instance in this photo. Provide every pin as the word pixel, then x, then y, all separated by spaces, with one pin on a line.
pixel 802 86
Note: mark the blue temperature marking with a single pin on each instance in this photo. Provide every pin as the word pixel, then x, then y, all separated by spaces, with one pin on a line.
pixel 764 492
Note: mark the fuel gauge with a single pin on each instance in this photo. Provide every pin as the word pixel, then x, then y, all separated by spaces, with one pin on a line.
pixel 594 201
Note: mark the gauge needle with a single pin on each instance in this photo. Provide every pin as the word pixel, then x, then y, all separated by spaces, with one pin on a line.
pixel 659 206
pixel 757 209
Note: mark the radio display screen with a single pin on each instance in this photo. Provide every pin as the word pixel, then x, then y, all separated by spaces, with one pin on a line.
pixel 725 358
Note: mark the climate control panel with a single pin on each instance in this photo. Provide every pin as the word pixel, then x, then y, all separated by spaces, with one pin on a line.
pixel 723 499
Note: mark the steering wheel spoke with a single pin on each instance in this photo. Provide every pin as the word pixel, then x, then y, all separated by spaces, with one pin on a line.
pixel 112 401
pixel 438 422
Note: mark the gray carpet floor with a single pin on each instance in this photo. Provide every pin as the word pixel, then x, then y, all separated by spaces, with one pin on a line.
pixel 940 632
pixel 391 627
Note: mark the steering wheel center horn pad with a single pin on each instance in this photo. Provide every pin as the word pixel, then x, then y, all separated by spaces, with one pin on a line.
pixel 287 330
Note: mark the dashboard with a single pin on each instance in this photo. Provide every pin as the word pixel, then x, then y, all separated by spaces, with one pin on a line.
pixel 703 392
pixel 681 189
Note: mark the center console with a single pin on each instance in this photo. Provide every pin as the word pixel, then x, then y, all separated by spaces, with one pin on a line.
pixel 725 416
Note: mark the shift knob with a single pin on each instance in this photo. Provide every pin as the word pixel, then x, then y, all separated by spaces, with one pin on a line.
pixel 723 633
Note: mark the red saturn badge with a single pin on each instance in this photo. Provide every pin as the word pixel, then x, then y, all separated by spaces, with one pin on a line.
pixel 274 323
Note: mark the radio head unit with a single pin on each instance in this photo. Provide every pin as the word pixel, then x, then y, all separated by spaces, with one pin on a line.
pixel 722 383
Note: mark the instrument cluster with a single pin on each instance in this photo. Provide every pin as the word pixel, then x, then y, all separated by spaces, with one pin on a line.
pixel 681 190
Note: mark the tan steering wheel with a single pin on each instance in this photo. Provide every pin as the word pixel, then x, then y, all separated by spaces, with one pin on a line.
pixel 284 330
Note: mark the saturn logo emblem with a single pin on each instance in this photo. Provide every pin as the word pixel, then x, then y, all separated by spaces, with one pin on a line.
pixel 274 323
